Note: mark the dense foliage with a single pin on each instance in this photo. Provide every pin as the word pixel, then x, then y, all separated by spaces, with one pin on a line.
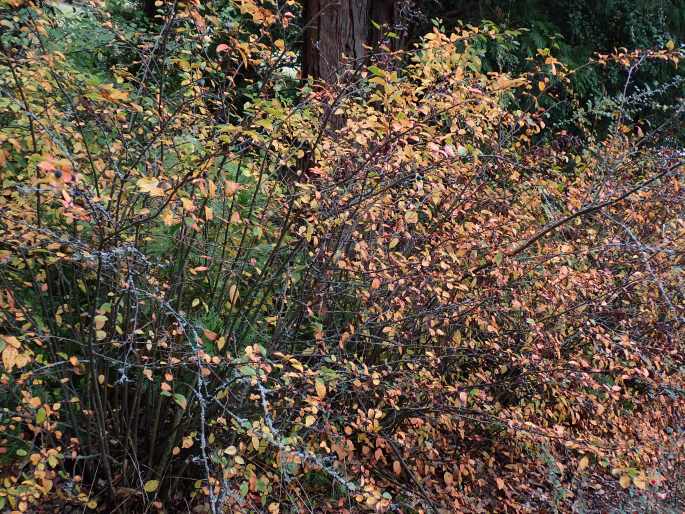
pixel 575 30
pixel 223 289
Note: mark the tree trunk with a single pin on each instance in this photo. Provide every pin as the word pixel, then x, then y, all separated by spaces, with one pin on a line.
pixel 385 14
pixel 334 28
pixel 149 9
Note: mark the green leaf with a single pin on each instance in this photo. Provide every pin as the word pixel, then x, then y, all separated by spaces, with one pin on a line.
pixel 377 71
pixel 248 371
pixel 181 400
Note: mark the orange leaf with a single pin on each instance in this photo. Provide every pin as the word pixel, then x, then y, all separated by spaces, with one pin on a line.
pixel 320 389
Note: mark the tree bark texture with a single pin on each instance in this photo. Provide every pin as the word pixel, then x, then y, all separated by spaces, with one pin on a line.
pixel 334 28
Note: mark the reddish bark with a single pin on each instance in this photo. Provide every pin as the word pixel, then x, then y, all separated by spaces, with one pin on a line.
pixel 337 28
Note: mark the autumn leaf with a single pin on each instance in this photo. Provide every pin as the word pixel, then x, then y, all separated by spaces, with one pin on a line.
pixel 9 357
pixel 232 187
pixel 320 389
pixel 149 185
pixel 47 166
pixel 640 481
pixel 411 217
pixel 151 486
pixel 100 321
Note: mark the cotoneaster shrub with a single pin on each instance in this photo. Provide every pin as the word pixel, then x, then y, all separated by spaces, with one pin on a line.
pixel 399 292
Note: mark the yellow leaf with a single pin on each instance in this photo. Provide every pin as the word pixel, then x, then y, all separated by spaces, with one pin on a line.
pixel 233 294
pixel 640 481
pixel 411 217
pixel 220 343
pixel 47 486
pixel 542 85
pixel 12 341
pixel 504 82
pixel 320 389
pixel 583 463
pixel 188 204
pixel 624 481
pixel 231 450
pixel 108 92
pixel 100 321
pixel 151 486
pixel 147 184
pixel 670 44
pixel 9 357
pixel 309 421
